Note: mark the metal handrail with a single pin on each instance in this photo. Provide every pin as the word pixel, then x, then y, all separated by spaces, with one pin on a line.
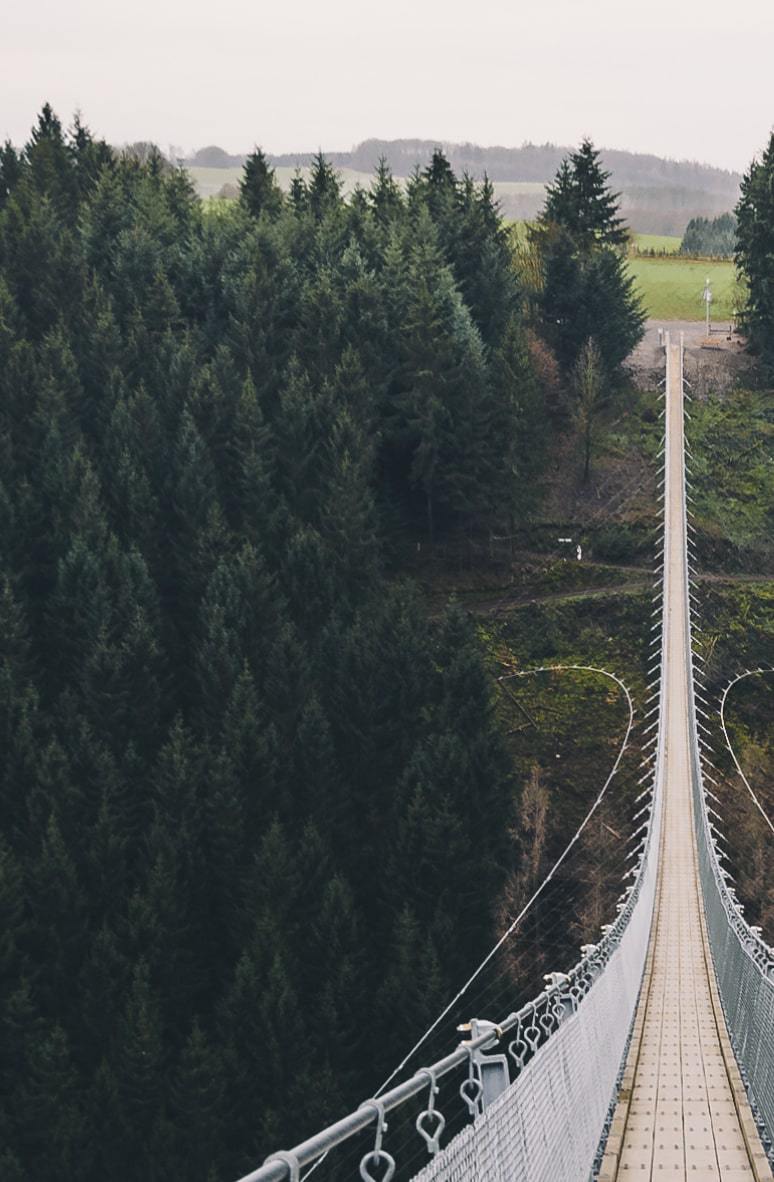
pixel 743 961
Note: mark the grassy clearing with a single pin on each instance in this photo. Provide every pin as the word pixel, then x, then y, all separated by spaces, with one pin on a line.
pixel 671 288
pixel 665 243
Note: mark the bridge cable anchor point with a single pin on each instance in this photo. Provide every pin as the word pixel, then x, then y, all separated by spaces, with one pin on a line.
pixel 377 1156
pixel 430 1114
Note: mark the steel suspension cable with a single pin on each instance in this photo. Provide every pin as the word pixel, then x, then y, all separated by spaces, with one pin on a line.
pixel 745 781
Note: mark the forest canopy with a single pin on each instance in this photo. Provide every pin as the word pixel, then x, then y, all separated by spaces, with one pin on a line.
pixel 710 237
pixel 247 783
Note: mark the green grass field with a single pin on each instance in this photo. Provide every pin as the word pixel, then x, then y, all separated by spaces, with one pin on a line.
pixel 661 242
pixel 665 243
pixel 671 288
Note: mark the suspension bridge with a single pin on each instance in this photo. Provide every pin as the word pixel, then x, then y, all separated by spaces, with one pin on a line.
pixel 653 1057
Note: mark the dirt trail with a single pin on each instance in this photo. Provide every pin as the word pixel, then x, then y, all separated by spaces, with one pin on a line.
pixel 717 360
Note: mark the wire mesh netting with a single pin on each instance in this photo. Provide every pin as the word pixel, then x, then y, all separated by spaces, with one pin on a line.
pixel 743 962
pixel 744 967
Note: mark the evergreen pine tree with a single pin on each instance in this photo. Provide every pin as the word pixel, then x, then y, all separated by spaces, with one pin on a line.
pixel 50 1097
pixel 754 247
pixel 13 919
pixel 104 981
pixel 582 203
pixel 413 989
pixel 140 1081
pixel 441 188
pixel 299 194
pixel 89 156
pixel 197 1096
pixel 259 192
pixel 250 471
pixel 10 171
pixel 588 295
pixel 324 188
pixel 445 401
pixel 386 195
pixel 586 289
pixel 58 919
pixel 49 166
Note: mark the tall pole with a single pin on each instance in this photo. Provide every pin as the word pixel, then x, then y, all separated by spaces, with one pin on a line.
pixel 707 297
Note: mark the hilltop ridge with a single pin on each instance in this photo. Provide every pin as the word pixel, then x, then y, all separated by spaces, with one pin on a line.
pixel 659 195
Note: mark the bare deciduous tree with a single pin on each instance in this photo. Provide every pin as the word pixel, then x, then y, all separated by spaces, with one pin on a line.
pixel 589 385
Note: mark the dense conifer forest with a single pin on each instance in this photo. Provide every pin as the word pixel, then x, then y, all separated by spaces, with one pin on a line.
pixel 713 237
pixel 244 784
pixel 247 783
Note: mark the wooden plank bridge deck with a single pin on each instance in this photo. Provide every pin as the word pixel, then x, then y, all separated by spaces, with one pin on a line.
pixel 683 1112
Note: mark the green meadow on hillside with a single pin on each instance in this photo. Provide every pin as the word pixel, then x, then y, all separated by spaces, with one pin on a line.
pixel 671 288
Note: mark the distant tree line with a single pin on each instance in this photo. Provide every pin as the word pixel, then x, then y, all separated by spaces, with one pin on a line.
pixel 710 237
pixel 658 196
pixel 214 157
pixel 529 162
pixel 254 809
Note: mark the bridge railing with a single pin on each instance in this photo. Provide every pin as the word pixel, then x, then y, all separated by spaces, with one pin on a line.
pixel 564 1051
pixel 546 1111
pixel 744 963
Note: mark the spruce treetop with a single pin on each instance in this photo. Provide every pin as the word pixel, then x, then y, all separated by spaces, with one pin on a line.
pixel 324 187
pixel 258 189
pixel 581 202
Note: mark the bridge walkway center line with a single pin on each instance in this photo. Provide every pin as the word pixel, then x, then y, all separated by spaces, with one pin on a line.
pixel 683 1112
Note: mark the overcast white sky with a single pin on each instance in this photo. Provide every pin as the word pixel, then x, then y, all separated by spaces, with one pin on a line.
pixel 683 78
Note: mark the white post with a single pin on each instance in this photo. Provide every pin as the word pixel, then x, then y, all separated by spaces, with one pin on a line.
pixel 707 297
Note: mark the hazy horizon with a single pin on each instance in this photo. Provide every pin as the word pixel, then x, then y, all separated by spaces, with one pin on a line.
pixel 678 80
pixel 190 150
